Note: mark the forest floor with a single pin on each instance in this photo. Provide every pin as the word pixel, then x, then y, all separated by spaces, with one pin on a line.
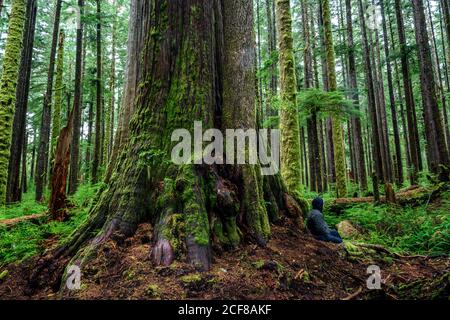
pixel 292 266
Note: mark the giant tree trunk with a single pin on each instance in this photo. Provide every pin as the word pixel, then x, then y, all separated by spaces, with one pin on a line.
pixel 8 85
pixel 138 28
pixel 434 132
pixel 198 64
pixel 44 136
pixel 18 140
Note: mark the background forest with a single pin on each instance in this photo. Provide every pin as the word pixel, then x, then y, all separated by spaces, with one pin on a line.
pixel 360 90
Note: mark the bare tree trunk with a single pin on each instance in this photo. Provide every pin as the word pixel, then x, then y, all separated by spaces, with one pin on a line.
pixel 353 84
pixel 44 136
pixel 414 150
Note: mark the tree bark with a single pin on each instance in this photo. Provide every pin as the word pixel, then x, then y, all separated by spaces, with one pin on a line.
pixel 413 138
pixel 290 143
pixel 189 205
pixel 18 139
pixel 77 106
pixel 8 86
pixel 436 146
pixel 353 84
pixel 337 131
pixel 56 122
pixel 44 136
pixel 398 150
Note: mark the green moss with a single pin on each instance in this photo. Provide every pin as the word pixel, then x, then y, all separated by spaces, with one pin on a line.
pixel 8 84
pixel 152 291
pixel 289 125
pixel 338 138
pixel 57 103
pixel 192 278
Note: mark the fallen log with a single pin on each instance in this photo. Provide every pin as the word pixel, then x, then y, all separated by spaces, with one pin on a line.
pixel 13 221
pixel 411 196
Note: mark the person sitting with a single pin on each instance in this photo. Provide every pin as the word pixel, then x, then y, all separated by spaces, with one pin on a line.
pixel 317 225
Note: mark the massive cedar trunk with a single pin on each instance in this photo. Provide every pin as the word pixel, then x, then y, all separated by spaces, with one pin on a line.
pixel 197 64
pixel 44 136
pixel 8 85
pixel 18 140
pixel 137 30
pixel 434 132
pixel 353 84
pixel 77 106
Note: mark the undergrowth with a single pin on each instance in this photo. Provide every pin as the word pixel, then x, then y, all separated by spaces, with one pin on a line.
pixel 420 230
pixel 26 239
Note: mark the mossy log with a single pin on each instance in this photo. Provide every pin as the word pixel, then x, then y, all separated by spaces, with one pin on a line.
pixel 411 196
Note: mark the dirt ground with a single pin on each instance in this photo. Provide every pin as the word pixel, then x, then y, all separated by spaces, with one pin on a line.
pixel 292 266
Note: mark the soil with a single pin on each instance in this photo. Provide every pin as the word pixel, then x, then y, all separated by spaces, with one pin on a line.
pixel 292 266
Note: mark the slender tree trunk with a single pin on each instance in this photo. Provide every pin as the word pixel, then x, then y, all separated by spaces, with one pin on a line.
pixel 398 150
pixel 59 88
pixel 436 146
pixel 353 84
pixel 272 46
pixel 290 143
pixel 77 106
pixel 438 73
pixel 23 179
pixel 99 94
pixel 8 86
pixel 373 136
pixel 33 156
pixel 414 150
pixel 44 136
pixel 18 140
pixel 337 131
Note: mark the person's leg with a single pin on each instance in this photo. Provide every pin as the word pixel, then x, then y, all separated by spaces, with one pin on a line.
pixel 332 237
pixel 334 233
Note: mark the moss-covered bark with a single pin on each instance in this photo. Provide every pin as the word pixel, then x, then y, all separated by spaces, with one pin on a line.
pixel 290 141
pixel 338 134
pixel 8 86
pixel 204 78
pixel 57 102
